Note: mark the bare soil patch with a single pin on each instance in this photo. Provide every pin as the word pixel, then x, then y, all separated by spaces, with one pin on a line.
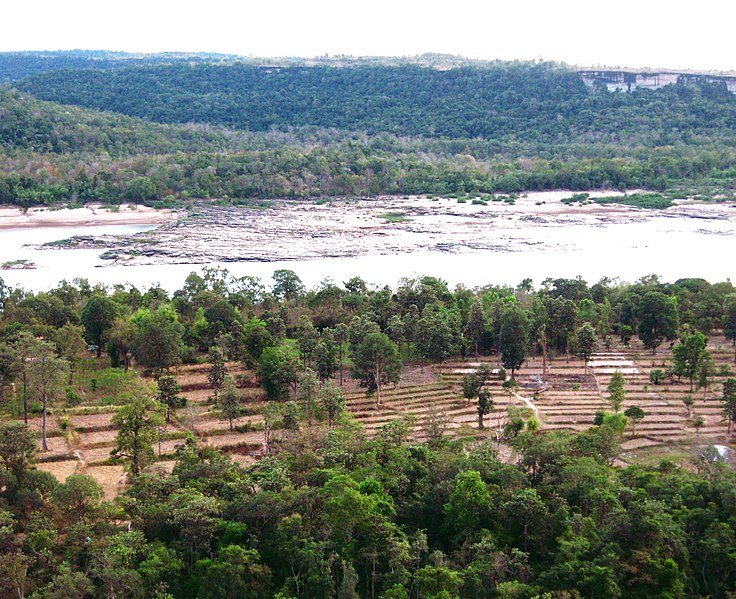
pixel 110 477
pixel 61 470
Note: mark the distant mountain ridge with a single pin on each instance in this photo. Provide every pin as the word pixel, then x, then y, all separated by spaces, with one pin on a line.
pixel 19 65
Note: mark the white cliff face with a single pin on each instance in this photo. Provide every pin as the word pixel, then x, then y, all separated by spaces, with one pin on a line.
pixel 628 81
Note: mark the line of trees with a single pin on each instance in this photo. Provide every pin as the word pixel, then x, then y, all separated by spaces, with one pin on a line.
pixel 283 331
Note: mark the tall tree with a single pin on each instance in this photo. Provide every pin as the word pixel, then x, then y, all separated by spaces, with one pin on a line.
pixel 287 285
pixel 729 320
pixel 728 402
pixel 514 337
pixel 476 328
pixel 473 387
pixel 376 362
pixel 168 395
pixel 688 356
pixel 24 350
pixel 325 356
pixel 342 336
pixel 17 448
pixel 586 342
pixel 256 338
pixel 658 319
pixel 332 400
pixel 279 368
pixel 230 400
pixel 119 342
pixel 138 425
pixel 47 378
pixel 97 317
pixel 158 342
pixel 69 345
pixel 562 315
pixel 308 391
pixel 307 338
pixel 216 373
pixel 485 405
pixel 441 336
pixel 469 503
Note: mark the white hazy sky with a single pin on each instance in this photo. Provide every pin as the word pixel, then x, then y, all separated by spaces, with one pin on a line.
pixel 636 33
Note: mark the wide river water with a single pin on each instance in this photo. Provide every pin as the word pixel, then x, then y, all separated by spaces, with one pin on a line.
pixel 670 247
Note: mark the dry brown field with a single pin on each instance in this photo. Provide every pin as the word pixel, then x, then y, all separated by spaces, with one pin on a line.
pixel 565 396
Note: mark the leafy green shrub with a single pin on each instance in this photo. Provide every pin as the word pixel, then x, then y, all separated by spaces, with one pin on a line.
pixel 656 376
pixel 72 397
pixel 652 201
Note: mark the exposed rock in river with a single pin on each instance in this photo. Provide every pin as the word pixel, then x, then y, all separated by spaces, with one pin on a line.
pixel 289 230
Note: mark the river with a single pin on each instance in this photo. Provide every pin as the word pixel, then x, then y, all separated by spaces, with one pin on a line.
pixel 670 247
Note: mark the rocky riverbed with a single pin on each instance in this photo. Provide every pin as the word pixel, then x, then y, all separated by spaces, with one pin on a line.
pixel 287 230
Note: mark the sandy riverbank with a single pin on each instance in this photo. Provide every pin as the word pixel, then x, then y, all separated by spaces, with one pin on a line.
pixel 90 215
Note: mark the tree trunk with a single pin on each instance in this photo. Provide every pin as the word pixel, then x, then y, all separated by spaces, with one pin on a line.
pixel 544 360
pixel 377 375
pixel 43 427
pixel 25 398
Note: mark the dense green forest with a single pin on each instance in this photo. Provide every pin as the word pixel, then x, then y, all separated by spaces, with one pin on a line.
pixel 532 102
pixel 237 130
pixel 331 511
pixel 18 65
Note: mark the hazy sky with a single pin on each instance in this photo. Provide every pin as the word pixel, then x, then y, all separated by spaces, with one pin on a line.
pixel 637 33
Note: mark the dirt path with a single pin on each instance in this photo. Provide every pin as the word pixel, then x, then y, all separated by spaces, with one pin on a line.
pixel 530 404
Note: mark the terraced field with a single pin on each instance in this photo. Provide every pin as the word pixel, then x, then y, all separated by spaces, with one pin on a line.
pixel 564 395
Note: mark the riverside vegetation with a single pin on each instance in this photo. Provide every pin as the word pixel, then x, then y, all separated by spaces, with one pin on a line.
pixel 346 441
pixel 191 127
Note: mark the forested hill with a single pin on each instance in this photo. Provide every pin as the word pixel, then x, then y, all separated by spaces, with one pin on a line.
pixel 233 130
pixel 28 124
pixel 18 65
pixel 542 103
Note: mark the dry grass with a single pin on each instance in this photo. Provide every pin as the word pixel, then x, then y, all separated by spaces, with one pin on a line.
pixel 110 477
pixel 61 470
pixel 91 420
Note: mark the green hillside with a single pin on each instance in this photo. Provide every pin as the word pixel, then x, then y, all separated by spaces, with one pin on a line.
pixel 174 129
pixel 18 65
pixel 504 101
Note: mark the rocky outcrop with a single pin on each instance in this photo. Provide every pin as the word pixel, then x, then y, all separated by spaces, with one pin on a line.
pixel 344 228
